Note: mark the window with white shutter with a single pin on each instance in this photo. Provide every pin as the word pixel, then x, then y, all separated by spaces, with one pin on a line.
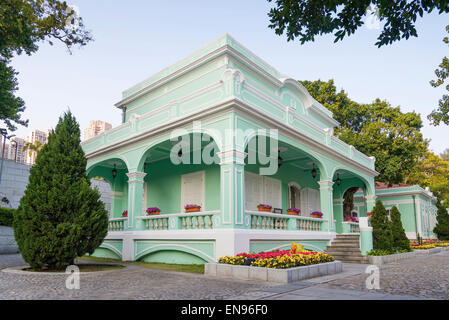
pixel 192 189
pixel 262 189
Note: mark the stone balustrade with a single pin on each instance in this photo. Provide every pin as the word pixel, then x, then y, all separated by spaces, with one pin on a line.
pixel 117 224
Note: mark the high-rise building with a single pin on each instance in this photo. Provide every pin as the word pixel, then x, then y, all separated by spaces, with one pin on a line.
pixel 35 135
pixel 95 128
pixel 16 150
pixel 4 153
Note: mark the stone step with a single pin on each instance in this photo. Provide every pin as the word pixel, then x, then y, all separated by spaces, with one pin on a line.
pixel 344 253
pixel 345 242
pixel 347 236
pixel 344 245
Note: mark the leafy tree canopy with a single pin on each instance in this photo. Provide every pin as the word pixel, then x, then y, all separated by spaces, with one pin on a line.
pixel 445 155
pixel 441 114
pixel 23 24
pixel 376 129
pixel 305 19
pixel 433 172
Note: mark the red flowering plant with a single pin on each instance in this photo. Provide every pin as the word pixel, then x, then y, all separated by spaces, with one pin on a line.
pixel 266 206
pixel 190 206
pixel 352 219
pixel 317 214
pixel 153 211
pixel 296 210
pixel 125 213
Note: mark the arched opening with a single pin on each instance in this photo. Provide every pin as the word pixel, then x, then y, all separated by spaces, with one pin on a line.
pixel 180 172
pixel 109 176
pixel 292 184
pixel 349 192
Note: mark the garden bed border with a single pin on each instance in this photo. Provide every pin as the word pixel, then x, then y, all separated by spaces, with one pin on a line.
pixel 380 260
pixel 240 272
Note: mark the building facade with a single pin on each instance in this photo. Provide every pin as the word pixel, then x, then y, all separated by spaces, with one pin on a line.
pixel 95 128
pixel 35 135
pixel 417 206
pixel 207 131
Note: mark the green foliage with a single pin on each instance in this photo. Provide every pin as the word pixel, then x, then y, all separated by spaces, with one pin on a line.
pixel 445 155
pixel 377 252
pixel 442 227
pixel 23 24
pixel 441 114
pixel 6 216
pixel 433 172
pixel 60 216
pixel 400 240
pixel 377 129
pixel 10 105
pixel 305 19
pixel 382 234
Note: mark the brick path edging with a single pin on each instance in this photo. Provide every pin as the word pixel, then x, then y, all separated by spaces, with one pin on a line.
pixel 222 270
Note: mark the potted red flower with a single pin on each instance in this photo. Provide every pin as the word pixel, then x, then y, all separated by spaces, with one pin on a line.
pixel 368 215
pixel 125 213
pixel 294 211
pixel 264 207
pixel 153 211
pixel 192 208
pixel 317 214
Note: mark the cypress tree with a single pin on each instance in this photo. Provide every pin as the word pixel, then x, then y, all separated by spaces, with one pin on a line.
pixel 442 227
pixel 60 216
pixel 400 240
pixel 382 235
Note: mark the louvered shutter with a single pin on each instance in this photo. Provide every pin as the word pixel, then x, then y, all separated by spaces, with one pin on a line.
pixel 192 189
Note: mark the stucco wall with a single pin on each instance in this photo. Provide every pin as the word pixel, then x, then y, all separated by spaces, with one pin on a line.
pixel 7 243
pixel 13 182
pixel 15 179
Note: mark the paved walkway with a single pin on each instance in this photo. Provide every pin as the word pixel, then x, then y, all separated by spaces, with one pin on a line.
pixel 417 278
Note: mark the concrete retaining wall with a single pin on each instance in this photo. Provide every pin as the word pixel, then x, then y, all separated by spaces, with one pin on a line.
pixel 429 251
pixel 379 260
pixel 7 243
pixel 273 275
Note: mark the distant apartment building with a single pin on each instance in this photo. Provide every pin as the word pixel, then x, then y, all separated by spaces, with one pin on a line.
pixel 35 135
pixel 95 128
pixel 4 152
pixel 16 151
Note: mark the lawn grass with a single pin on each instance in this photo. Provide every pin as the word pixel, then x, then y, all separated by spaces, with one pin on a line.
pixel 190 268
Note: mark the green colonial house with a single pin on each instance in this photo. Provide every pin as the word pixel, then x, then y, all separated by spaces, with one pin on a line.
pixel 242 116
pixel 417 206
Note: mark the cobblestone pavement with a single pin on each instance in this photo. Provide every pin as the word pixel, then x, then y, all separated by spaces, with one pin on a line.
pixel 416 278
pixel 424 276
pixel 132 282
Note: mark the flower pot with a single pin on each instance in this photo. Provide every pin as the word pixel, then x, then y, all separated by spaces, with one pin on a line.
pixel 193 209
pixel 316 216
pixel 293 213
pixel 263 209
pixel 154 213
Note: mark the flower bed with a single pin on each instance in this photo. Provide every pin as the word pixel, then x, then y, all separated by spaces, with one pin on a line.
pixel 284 259
pixel 422 246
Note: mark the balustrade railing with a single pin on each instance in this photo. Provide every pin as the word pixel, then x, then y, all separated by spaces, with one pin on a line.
pixel 183 221
pixel 309 224
pixel 351 227
pixel 116 224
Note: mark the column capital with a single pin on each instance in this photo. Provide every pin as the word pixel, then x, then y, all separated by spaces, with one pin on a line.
pixel 136 176
pixel 232 156
pixel 325 184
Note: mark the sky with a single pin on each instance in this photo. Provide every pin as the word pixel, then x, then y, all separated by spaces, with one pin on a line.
pixel 135 39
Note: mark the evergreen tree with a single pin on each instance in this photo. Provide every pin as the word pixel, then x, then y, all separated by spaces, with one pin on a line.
pixel 60 216
pixel 382 235
pixel 442 227
pixel 400 240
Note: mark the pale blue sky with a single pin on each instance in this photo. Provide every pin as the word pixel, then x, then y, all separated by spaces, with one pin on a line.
pixel 135 39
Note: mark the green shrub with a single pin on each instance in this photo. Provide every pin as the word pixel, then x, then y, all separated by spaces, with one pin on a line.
pixel 442 227
pixel 6 216
pixel 400 240
pixel 378 252
pixel 60 217
pixel 382 235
